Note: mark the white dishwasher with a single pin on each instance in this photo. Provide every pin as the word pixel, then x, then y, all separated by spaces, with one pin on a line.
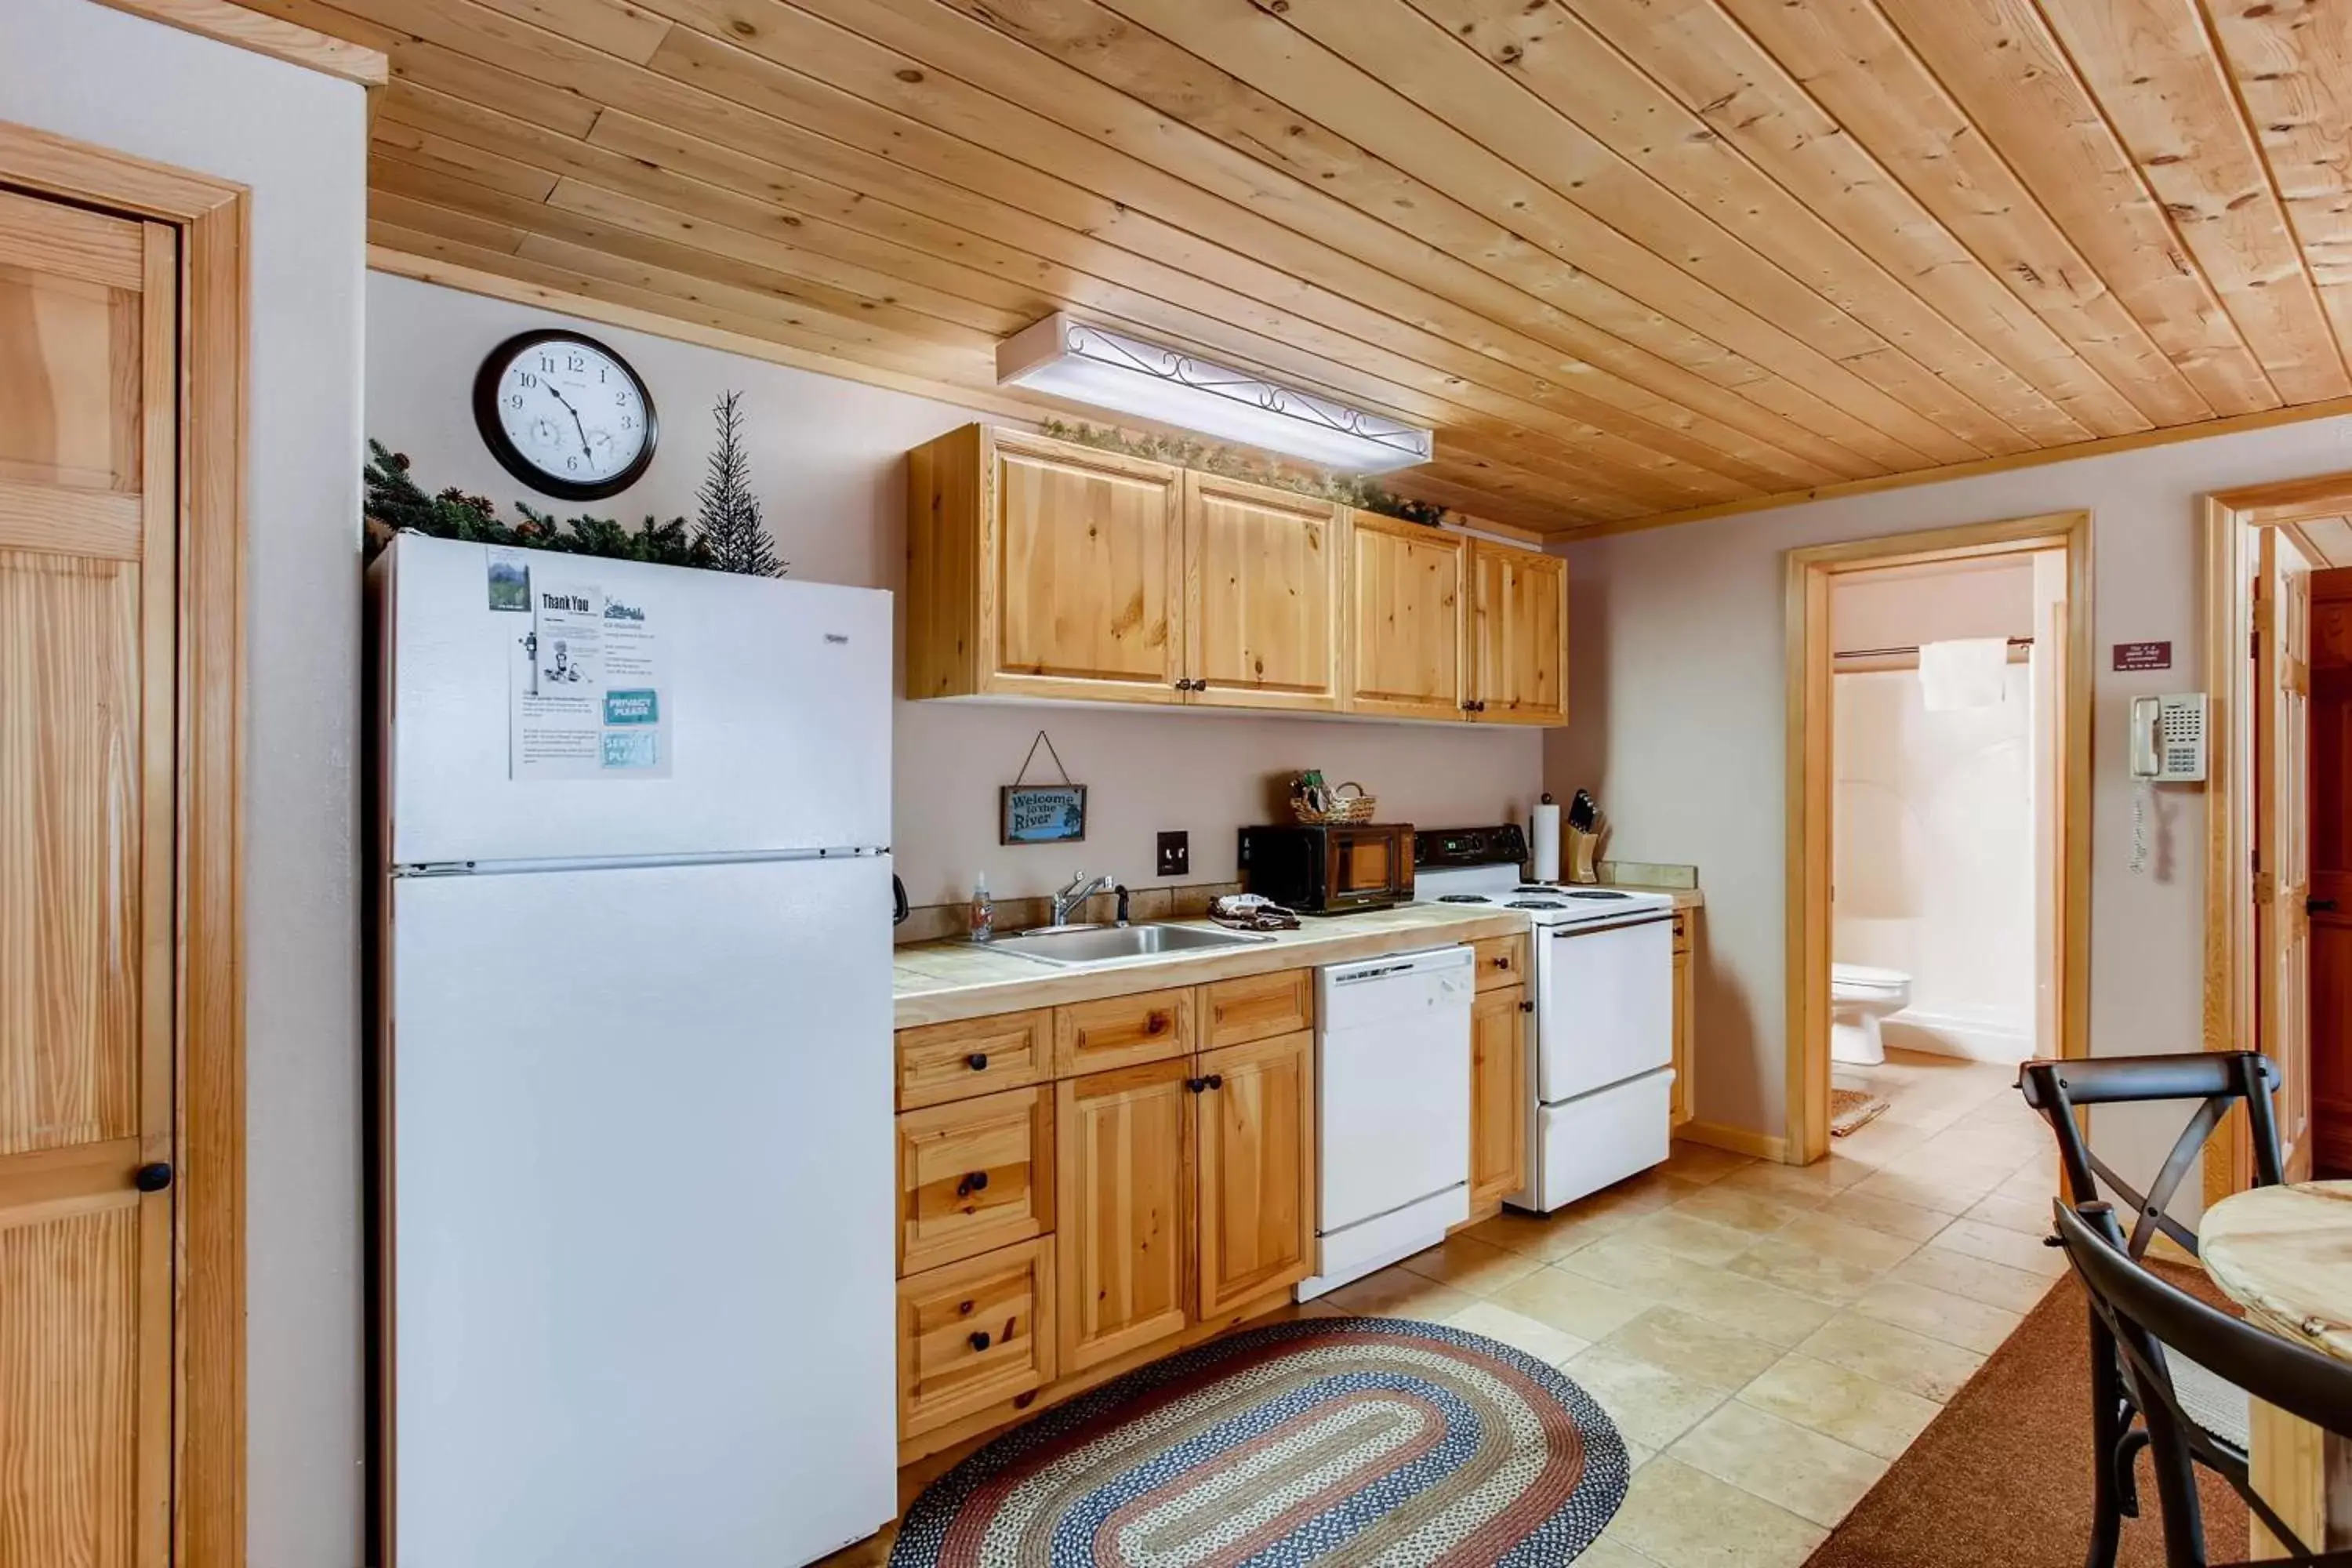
pixel 1393 1101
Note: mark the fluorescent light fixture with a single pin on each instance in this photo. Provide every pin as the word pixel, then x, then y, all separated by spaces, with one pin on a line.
pixel 1109 370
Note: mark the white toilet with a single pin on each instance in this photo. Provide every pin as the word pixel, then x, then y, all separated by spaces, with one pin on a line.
pixel 1859 997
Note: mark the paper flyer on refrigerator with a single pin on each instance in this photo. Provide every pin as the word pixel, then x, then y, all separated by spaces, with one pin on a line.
pixel 587 701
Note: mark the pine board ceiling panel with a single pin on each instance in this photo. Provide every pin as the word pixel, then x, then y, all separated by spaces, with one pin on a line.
pixel 1636 261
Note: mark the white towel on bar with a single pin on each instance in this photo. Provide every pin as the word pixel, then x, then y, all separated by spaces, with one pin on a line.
pixel 1969 673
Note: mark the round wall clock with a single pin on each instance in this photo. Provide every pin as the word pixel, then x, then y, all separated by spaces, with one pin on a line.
pixel 565 414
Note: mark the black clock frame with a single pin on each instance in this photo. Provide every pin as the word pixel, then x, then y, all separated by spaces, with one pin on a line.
pixel 512 459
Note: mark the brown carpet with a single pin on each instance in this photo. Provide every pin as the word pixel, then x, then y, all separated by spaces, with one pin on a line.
pixel 2002 1478
pixel 1853 1108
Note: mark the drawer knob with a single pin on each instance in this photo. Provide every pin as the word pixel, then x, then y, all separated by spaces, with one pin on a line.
pixel 980 1341
pixel 1503 961
pixel 1157 1024
pixel 977 1061
pixel 976 1182
pixel 1215 1080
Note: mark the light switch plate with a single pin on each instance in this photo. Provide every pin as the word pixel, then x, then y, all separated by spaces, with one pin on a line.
pixel 1175 853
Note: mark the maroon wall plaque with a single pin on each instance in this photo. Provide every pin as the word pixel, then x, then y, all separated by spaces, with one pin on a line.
pixel 2143 656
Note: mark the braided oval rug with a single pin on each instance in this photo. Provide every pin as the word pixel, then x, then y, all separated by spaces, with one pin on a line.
pixel 1323 1440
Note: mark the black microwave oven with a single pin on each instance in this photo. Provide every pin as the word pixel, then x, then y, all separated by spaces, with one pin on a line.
pixel 1329 869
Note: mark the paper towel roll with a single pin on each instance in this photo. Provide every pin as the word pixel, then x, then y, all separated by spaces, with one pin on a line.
pixel 1543 840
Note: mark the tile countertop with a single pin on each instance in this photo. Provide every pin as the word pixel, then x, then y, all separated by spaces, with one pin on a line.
pixel 943 981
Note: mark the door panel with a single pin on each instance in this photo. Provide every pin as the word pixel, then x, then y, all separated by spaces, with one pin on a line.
pixel 1257 1168
pixel 1519 636
pixel 1123 1211
pixel 2331 872
pixel 1262 583
pixel 1405 598
pixel 1086 588
pixel 1500 1103
pixel 2282 835
pixel 87 428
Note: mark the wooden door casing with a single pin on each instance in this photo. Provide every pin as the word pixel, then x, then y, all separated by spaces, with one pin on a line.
pixel 1264 573
pixel 1519 636
pixel 1123 1210
pixel 1256 1122
pixel 1499 1105
pixel 2282 835
pixel 89 775
pixel 2331 872
pixel 1084 563
pixel 1406 592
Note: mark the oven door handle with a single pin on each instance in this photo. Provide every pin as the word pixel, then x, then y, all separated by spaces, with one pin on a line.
pixel 1599 928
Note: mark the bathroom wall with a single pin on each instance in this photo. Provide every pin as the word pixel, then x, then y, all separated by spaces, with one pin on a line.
pixel 1934 811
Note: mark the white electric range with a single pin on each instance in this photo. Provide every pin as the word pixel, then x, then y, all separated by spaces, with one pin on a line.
pixel 1600 1102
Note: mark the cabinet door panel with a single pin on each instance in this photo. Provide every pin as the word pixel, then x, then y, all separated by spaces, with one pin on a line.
pixel 1262 571
pixel 1406 594
pixel 1519 636
pixel 1498 1093
pixel 1085 590
pixel 1124 1216
pixel 1257 1169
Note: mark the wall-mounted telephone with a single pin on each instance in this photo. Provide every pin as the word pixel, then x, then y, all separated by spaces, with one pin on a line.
pixel 2168 738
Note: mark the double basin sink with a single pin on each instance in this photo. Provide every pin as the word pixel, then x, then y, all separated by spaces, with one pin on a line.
pixel 1071 947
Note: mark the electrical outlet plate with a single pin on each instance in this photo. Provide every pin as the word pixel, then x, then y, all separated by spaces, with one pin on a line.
pixel 1175 853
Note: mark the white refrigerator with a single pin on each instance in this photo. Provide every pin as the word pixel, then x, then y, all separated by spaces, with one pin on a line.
pixel 634 1171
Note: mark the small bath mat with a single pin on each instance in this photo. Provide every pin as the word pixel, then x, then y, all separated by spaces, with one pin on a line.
pixel 1853 1108
pixel 1322 1439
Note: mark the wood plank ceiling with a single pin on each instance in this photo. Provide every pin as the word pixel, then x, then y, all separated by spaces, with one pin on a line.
pixel 1631 257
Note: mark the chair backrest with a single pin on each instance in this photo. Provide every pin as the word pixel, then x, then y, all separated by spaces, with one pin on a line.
pixel 2148 1315
pixel 2217 1079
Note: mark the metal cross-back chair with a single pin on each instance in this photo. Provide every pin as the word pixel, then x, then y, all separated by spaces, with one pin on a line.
pixel 2157 1329
pixel 2214 1081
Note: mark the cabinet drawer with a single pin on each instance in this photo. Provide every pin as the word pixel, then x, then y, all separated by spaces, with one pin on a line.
pixel 974 1175
pixel 1501 960
pixel 1122 1031
pixel 1257 1008
pixel 974 1335
pixel 939 1062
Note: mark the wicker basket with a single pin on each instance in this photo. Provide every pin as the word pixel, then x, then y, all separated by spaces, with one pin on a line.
pixel 1338 809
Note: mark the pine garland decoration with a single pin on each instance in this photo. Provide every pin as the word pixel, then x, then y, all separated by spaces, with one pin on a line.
pixel 396 501
pixel 730 527
pixel 1186 452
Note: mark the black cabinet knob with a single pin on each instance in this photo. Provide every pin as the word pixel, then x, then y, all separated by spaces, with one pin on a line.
pixel 152 1178
pixel 977 1061
pixel 976 1182
pixel 980 1341
pixel 1216 1081
pixel 1196 1084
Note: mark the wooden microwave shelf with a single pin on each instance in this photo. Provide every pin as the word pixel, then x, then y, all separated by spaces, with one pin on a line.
pixel 1044 569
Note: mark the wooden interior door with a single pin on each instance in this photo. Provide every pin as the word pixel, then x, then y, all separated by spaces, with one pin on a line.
pixel 88 537
pixel 1086 557
pixel 2283 836
pixel 1263 573
pixel 1499 1093
pixel 1405 592
pixel 1124 1209
pixel 1519 636
pixel 2330 904
pixel 1257 1168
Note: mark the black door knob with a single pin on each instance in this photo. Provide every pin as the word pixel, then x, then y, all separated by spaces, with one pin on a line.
pixel 152 1178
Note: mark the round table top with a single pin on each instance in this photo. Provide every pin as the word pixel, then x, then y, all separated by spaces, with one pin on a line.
pixel 2285 1254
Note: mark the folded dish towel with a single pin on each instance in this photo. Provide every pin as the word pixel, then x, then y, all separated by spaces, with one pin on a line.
pixel 1969 673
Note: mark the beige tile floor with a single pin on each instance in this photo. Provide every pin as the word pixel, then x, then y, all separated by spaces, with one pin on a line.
pixel 1767 1338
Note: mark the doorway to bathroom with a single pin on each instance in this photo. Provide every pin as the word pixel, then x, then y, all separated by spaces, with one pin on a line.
pixel 1939 800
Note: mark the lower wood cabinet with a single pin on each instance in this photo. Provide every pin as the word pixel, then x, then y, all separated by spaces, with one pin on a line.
pixel 1126 1194
pixel 1499 1093
pixel 1257 1168
pixel 1684 1096
pixel 1051 1235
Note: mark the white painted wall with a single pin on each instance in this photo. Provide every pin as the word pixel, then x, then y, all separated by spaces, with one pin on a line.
pixel 828 457
pixel 1676 687
pixel 298 139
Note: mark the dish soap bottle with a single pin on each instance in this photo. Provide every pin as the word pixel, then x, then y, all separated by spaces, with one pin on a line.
pixel 983 911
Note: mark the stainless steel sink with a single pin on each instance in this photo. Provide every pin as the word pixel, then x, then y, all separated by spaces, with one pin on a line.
pixel 1070 946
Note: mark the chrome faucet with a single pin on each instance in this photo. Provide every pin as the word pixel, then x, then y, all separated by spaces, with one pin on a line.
pixel 1080 888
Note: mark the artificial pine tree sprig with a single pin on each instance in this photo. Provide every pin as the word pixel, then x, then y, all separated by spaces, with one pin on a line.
pixel 730 528
pixel 397 502
pixel 1186 452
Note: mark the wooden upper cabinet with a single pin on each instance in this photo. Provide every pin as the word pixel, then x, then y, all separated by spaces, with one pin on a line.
pixel 1263 575
pixel 1405 604
pixel 1257 1169
pixel 1519 635
pixel 1041 569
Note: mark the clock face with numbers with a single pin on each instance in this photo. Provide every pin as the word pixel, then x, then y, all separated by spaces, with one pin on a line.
pixel 565 414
